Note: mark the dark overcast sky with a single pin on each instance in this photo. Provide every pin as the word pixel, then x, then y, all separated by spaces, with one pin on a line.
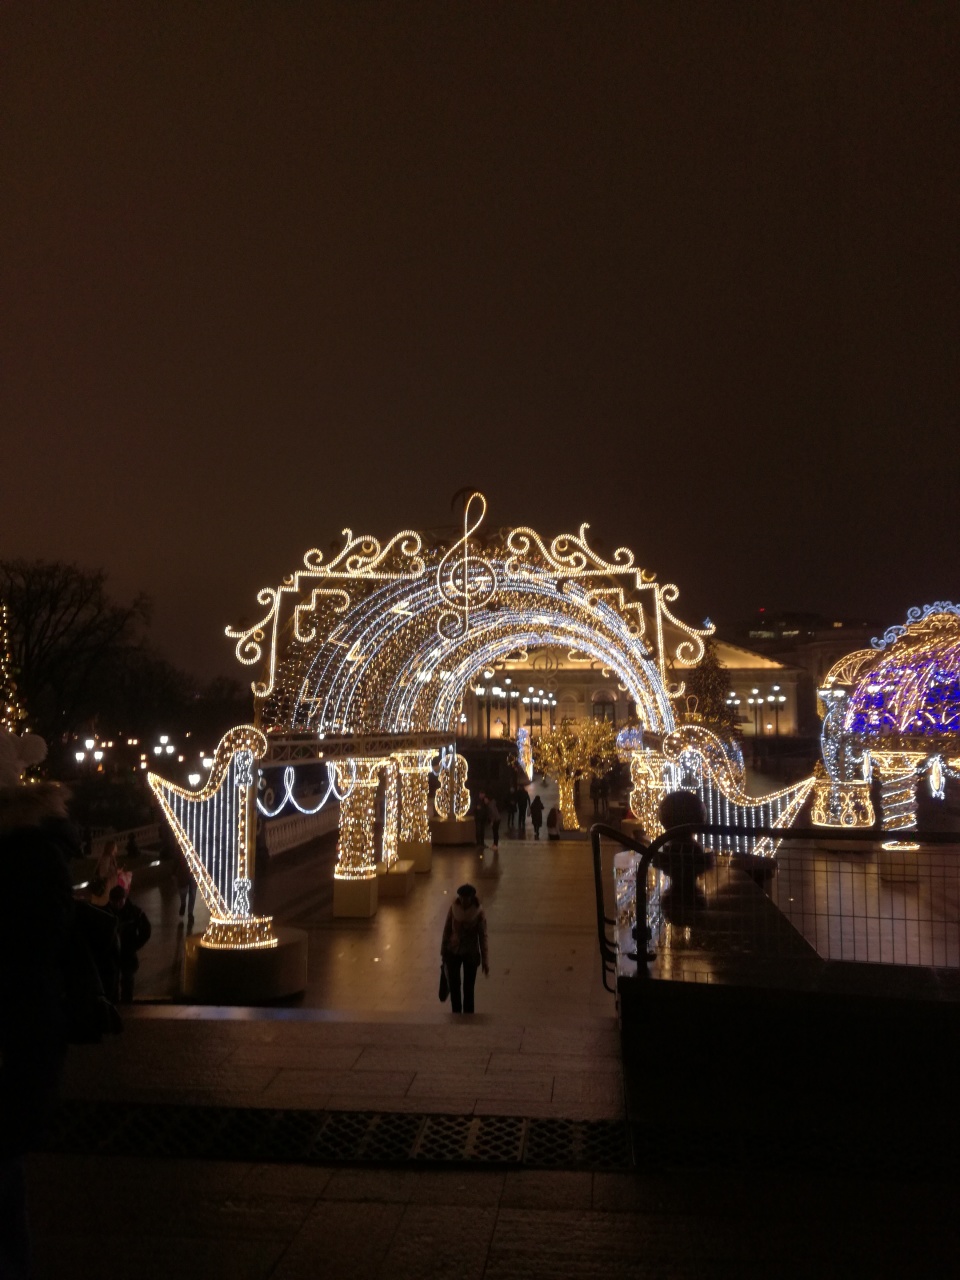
pixel 686 271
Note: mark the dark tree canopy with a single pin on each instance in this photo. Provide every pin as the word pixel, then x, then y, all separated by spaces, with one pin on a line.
pixel 69 640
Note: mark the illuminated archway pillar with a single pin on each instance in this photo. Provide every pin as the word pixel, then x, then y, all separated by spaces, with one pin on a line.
pixel 898 794
pixel 355 877
pixel 391 811
pixel 415 842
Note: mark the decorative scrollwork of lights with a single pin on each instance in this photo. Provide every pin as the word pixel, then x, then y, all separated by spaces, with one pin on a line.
pixel 289 779
pixel 917 614
pixel 841 804
pixel 387 637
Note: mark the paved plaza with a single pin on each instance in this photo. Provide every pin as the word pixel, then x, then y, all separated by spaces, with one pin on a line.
pixel 370 1039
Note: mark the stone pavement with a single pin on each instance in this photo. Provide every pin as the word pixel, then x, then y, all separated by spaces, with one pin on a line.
pixel 370 1037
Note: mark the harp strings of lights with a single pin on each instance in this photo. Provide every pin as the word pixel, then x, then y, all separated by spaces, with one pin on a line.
pixel 702 764
pixel 214 828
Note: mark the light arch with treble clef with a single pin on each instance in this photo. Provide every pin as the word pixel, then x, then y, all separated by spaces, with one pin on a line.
pixel 364 656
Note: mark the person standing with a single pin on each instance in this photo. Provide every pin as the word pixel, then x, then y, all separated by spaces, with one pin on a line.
pixel 553 824
pixel 133 928
pixel 35 967
pixel 186 885
pixel 522 801
pixel 493 817
pixel 463 947
pixel 536 816
pixel 480 817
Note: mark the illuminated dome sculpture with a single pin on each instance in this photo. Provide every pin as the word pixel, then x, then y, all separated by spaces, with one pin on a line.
pixel 893 709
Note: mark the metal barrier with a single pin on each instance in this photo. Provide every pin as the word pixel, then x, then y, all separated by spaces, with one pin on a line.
pixel 829 895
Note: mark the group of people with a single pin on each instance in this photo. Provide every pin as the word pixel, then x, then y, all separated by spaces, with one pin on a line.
pixel 517 802
pixel 114 926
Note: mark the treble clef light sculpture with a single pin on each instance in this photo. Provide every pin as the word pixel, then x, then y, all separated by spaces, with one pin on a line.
pixel 464 582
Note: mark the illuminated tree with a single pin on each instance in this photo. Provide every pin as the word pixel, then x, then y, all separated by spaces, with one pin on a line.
pixel 575 749
pixel 66 637
pixel 709 683
pixel 11 712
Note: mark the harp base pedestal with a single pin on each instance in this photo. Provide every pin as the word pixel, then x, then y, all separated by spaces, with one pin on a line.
pixel 253 975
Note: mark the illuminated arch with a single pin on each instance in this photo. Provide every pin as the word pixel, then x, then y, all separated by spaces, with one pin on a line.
pixel 386 638
pixel 365 658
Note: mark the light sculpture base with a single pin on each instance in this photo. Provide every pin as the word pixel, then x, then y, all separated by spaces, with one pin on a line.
pixel 354 899
pixel 254 932
pixel 245 976
pixel 395 881
pixel 896 861
pixel 453 830
pixel 419 852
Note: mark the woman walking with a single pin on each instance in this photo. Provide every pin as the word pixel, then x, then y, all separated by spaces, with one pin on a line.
pixel 464 947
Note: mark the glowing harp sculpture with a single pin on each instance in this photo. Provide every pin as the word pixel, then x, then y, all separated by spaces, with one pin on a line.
pixel 215 828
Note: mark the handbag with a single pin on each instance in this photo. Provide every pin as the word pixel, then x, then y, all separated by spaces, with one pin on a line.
pixel 444 991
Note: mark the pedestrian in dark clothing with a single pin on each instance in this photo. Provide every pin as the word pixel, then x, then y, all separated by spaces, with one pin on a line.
pixel 536 816
pixel 553 824
pixel 480 817
pixel 493 817
pixel 133 928
pixel 464 947
pixel 512 810
pixel 186 885
pixel 595 796
pixel 97 929
pixel 522 801
pixel 34 967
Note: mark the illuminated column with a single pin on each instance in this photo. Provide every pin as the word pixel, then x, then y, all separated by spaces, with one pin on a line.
pixel 355 877
pixel 391 811
pixel 415 842
pixel 898 793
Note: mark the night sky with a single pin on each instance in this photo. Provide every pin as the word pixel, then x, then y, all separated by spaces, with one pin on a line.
pixel 685 271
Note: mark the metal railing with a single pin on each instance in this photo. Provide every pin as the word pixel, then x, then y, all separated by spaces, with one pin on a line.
pixel 831 894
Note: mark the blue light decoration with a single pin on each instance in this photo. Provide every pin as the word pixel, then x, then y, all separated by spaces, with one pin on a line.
pixel 913 688
pixel 893 709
